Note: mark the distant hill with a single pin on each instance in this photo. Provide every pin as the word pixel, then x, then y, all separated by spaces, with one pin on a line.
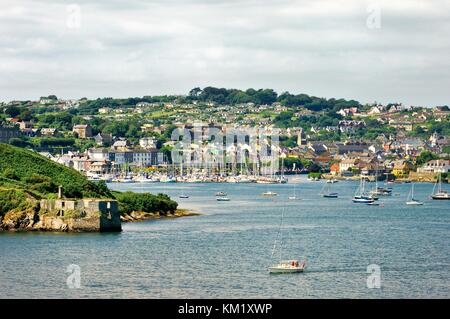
pixel 27 170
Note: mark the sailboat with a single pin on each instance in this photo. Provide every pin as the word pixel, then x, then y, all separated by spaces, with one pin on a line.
pixel 326 191
pixel 361 197
pixel 269 193
pixel 285 266
pixel 380 191
pixel 411 200
pixel 440 194
pixel 183 195
pixel 294 197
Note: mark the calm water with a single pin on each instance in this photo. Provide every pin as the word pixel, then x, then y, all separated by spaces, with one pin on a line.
pixel 225 253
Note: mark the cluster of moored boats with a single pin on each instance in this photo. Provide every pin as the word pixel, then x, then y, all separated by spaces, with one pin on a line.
pixel 164 178
pixel 362 196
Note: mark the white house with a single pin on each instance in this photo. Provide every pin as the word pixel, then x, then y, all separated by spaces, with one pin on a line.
pixel 435 166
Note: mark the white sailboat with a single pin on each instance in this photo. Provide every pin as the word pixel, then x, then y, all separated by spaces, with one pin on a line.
pixel 361 197
pixel 294 197
pixel 411 200
pixel 440 194
pixel 326 191
pixel 285 266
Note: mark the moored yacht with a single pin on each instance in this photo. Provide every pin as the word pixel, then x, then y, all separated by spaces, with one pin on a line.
pixel 269 194
pixel 360 196
pixel 411 200
pixel 287 267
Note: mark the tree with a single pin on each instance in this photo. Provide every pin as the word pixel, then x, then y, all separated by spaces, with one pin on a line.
pixel 25 115
pixel 425 156
pixel 195 92
pixel 12 111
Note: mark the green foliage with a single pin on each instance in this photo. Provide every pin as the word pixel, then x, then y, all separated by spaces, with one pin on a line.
pixel 20 142
pixel 59 120
pixel 145 202
pixel 10 173
pixel 11 199
pixel 290 161
pixel 12 111
pixel 425 156
pixel 315 175
pixel 43 175
pixel 54 142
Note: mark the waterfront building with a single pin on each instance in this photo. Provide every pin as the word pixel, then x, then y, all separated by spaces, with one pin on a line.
pixel 435 166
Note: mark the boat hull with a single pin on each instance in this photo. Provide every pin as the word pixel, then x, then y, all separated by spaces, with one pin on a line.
pixel 440 197
pixel 278 270
pixel 362 201
pixel 414 203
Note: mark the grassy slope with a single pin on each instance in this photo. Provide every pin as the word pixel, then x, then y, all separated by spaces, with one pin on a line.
pixel 26 163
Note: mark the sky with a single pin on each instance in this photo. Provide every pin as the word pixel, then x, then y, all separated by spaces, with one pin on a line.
pixel 380 50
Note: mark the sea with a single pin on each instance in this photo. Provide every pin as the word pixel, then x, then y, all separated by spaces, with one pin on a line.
pixel 352 250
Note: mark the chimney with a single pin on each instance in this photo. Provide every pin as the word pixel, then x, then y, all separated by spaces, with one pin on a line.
pixel 59 191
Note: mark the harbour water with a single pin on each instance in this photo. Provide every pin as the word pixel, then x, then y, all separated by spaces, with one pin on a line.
pixel 225 252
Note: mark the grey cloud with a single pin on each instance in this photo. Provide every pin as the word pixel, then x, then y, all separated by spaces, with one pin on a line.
pixel 134 48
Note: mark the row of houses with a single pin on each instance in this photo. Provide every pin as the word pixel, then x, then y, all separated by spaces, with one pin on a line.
pixel 103 161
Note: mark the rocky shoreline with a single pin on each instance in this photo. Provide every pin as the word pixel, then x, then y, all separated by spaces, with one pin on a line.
pixel 31 220
pixel 142 216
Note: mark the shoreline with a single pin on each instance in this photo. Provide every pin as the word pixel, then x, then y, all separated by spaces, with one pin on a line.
pixel 136 217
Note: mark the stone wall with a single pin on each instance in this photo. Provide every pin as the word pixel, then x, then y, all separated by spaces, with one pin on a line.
pixel 85 215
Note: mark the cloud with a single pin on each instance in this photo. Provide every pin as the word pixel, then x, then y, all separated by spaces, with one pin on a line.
pixel 135 48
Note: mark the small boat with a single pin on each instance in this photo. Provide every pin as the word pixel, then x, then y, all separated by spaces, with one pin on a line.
pixel 362 200
pixel 126 179
pixel 184 196
pixel 332 181
pixel 269 194
pixel 410 200
pixel 440 194
pixel 221 194
pixel 361 197
pixel 222 199
pixel 287 267
pixel 414 203
pixel 293 197
pixel 326 191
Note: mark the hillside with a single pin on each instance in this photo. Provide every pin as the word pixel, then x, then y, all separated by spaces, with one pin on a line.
pixel 24 169
pixel 26 176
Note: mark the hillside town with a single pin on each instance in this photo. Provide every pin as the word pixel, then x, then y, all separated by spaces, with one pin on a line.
pixel 130 140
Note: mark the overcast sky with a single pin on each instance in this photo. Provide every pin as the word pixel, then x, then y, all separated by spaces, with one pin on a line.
pixel 384 51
